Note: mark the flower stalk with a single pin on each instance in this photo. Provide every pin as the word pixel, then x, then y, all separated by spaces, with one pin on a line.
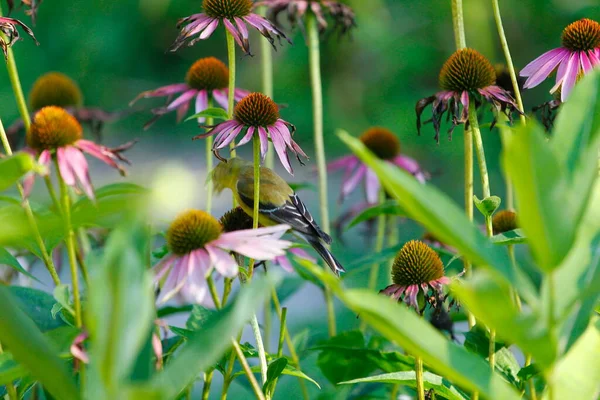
pixel 209 159
pixel 260 347
pixel 317 97
pixel 266 61
pixel 253 383
pixel 419 377
pixel 70 242
pixel 231 91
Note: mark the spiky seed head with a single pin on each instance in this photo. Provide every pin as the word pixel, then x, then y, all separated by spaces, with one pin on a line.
pixel 256 109
pixel 192 230
pixel 382 142
pixel 582 35
pixel 53 127
pixel 416 263
pixel 208 74
pixel 466 70
pixel 236 220
pixel 55 89
pixel 227 8
pixel 504 221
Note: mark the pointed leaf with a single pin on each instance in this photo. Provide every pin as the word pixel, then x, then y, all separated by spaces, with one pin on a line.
pixel 216 113
pixel 9 260
pixel 13 168
pixel 390 207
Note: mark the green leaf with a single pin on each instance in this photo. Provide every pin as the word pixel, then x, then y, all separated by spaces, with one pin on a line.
pixel 9 260
pixel 216 113
pixel 62 338
pixel 401 325
pixel 528 372
pixel 483 294
pixel 13 168
pixel 184 333
pixel 10 370
pixel 205 347
pixel 38 306
pixel 275 369
pixel 170 310
pixel 120 310
pixel 32 350
pixel 577 375
pixel 508 365
pixel 509 238
pixel 390 207
pixel 441 217
pixel 440 386
pixel 198 317
pixel 488 206
pixel 477 340
pixel 62 296
pixel 288 370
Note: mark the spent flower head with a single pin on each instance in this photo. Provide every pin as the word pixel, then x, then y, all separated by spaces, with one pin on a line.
pixel 206 80
pixel 417 267
pixel 386 146
pixel 8 26
pixel 340 14
pixel 236 16
pixel 257 114
pixel 578 55
pixel 56 133
pixel 504 221
pixel 465 77
pixel 198 245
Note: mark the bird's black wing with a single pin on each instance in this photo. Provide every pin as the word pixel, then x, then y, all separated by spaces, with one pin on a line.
pixel 293 213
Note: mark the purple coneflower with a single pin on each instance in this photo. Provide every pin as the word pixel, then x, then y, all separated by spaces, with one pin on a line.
pixel 466 76
pixel 236 15
pixel 57 89
pixel 257 114
pixel 207 78
pixel 385 145
pixel 8 26
pixel 579 54
pixel 55 132
pixel 417 267
pixel 197 245
pixel 341 14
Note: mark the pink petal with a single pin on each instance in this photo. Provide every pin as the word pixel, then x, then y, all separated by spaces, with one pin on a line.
pixel 372 186
pixel 79 166
pixel 547 60
pixel 546 69
pixel 222 261
pixel 230 137
pixel 234 32
pixel 411 166
pixel 162 91
pixel 264 142
pixel 220 97
pixel 97 151
pixel 349 161
pixel 184 98
pixel 351 183
pixel 64 167
pixel 201 104
pixel 586 64
pixel 284 263
pixel 209 29
pixel 280 148
pixel 239 94
pixel 301 253
pixel 570 77
pixel 247 137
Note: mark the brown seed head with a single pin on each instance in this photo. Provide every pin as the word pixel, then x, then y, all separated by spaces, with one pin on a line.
pixel 208 74
pixel 468 70
pixel 582 35
pixel 191 230
pixel 256 109
pixel 55 89
pixel 504 221
pixel 382 142
pixel 416 263
pixel 236 220
pixel 53 127
pixel 227 8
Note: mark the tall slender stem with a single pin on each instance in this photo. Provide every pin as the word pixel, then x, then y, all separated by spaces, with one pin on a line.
pixel 209 159
pixel 11 391
pixel 70 241
pixel 317 97
pixel 255 210
pixel 253 383
pixel 458 23
pixel 46 258
pixel 419 377
pixel 231 86
pixel 266 61
pixel 509 62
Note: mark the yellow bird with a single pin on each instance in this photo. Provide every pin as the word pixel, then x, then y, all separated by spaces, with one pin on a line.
pixel 278 203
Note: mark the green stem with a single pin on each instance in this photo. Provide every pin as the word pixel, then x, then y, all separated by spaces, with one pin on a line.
pixel 209 160
pixel 485 184
pixel 289 343
pixel 532 391
pixel 262 357
pixel 256 152
pixel 52 193
pixel 509 62
pixel 458 23
pixel 282 331
pixel 70 241
pixel 215 297
pixel 317 97
pixel 266 61
pixel 46 258
pixel 207 384
pixel 419 376
pixel 11 391
pixel 231 86
pixel 253 383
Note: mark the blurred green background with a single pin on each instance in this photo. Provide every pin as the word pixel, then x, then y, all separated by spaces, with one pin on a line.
pixel 116 49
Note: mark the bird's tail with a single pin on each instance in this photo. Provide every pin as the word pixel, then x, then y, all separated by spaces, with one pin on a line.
pixel 324 252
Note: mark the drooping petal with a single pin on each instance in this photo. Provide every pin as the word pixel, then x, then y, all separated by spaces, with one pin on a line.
pixel 280 149
pixel 372 186
pixel 247 137
pixel 264 142
pixel 220 97
pixel 353 181
pixel 230 137
pixel 100 152
pixel 175 280
pixel 212 26
pixel 548 60
pixel 179 101
pixel 570 77
pixel 301 253
pixel 586 64
pixel 222 261
pixel 284 263
pixel 236 34
pixel 79 166
pixel 64 167
pixel 411 166
pixel 201 104
pixel 161 91
pixel 344 162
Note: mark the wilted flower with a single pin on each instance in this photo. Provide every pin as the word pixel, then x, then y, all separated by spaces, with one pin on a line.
pixel 504 221
pixel 466 76
pixel 57 89
pixel 197 245
pixel 207 78
pixel 55 132
pixel 579 54
pixel 32 6
pixel 385 145
pixel 257 114
pixel 236 15
pixel 417 267
pixel 8 26
pixel 342 15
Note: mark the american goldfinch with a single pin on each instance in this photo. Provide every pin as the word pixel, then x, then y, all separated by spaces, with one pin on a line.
pixel 278 203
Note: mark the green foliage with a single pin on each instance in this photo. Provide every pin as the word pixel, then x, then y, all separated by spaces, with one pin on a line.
pixel 488 206
pixel 390 207
pixel 13 168
pixel 216 113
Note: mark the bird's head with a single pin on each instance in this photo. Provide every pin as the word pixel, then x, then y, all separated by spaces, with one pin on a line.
pixel 226 173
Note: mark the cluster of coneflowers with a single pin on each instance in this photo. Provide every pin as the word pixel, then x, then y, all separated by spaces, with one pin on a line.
pixel 201 246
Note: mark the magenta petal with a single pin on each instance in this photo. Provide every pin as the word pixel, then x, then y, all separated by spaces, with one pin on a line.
pixel 302 254
pixel 351 183
pixel 586 64
pixel 284 263
pixel 539 74
pixel 234 32
pixel 342 162
pixel 79 166
pixel 230 137
pixel 239 94
pixel 594 56
pixel 247 137
pixel 280 148
pixel 209 29
pixel 570 77
pixel 264 142
pixel 64 167
pixel 162 91
pixel 184 98
pixel 372 186
pixel 220 97
pixel 411 166
pixel 549 58
pixel 201 104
